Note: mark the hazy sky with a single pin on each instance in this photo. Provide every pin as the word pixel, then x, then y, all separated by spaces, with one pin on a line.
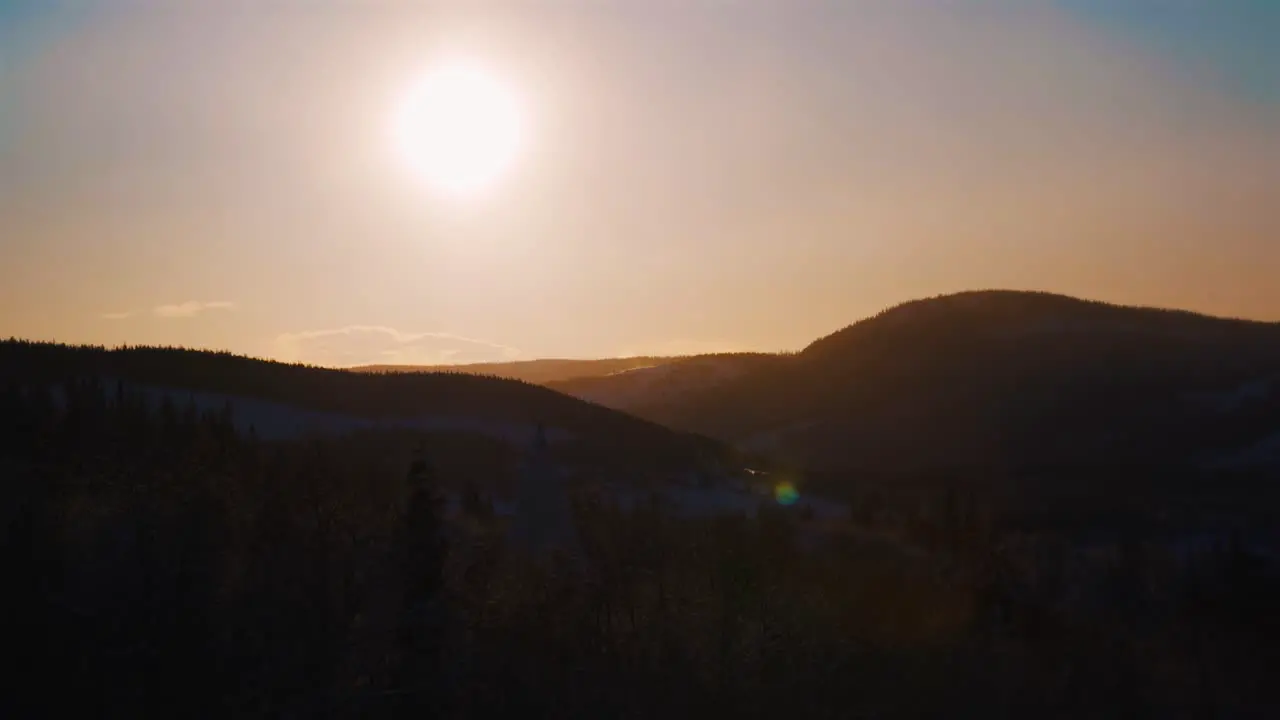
pixel 697 175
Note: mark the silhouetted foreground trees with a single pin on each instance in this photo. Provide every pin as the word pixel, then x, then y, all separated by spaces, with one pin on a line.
pixel 160 564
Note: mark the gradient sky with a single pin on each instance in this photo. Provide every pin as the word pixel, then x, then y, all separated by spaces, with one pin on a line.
pixel 699 175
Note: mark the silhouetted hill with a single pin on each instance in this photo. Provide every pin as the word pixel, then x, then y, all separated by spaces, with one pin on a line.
pixel 648 389
pixel 1002 379
pixel 542 371
pixel 285 400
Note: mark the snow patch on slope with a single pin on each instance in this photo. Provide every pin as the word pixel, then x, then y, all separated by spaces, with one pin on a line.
pixel 1236 398
pixel 1265 453
pixel 277 421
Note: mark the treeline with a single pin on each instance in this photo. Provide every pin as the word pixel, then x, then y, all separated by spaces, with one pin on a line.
pixel 541 371
pixel 994 306
pixel 370 394
pixel 160 564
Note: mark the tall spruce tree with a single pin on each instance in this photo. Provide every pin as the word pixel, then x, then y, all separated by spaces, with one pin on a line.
pixel 422 550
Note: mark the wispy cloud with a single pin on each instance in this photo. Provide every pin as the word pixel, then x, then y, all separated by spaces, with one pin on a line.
pixel 191 308
pixel 376 344
pixel 117 316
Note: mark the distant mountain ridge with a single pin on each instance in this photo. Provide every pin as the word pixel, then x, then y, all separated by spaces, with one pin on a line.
pixel 541 371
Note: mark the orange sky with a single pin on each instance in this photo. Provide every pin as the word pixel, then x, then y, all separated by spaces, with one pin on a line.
pixel 720 176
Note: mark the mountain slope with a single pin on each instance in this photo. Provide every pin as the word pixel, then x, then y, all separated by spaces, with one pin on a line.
pixel 1004 379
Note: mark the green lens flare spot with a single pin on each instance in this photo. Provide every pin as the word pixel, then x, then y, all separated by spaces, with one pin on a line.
pixel 786 493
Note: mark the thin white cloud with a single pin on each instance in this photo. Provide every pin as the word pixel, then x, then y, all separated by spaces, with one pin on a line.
pixel 354 345
pixel 117 315
pixel 191 308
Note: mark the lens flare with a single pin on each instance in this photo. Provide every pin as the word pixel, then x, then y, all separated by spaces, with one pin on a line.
pixel 786 493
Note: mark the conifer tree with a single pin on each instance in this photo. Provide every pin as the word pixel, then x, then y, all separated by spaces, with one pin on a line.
pixel 423 542
pixel 422 551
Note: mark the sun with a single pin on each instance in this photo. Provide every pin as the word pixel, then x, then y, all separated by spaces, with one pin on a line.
pixel 459 128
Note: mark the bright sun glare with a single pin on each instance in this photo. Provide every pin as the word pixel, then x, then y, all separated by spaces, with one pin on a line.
pixel 459 128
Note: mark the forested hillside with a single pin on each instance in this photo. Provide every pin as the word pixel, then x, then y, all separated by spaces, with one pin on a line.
pixel 163 564
pixel 337 400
